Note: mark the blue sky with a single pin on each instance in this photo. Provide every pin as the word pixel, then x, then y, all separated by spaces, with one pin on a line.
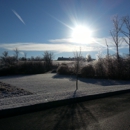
pixel 36 26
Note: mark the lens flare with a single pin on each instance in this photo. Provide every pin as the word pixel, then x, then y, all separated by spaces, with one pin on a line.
pixel 81 34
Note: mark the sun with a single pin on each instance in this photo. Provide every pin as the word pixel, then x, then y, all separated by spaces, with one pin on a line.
pixel 81 34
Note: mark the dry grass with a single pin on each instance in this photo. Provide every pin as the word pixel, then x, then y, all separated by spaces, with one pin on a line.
pixel 6 90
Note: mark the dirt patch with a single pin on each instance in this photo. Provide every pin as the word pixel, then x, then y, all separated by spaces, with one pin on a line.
pixel 7 90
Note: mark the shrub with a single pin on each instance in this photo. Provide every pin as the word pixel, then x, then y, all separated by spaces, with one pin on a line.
pixel 88 71
pixel 24 68
pixel 63 69
pixel 48 56
pixel 113 68
pixel 100 67
pixel 32 67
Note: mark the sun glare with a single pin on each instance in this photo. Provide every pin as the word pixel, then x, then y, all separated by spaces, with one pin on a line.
pixel 81 34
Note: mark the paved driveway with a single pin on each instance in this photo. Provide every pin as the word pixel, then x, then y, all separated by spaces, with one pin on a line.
pixel 111 113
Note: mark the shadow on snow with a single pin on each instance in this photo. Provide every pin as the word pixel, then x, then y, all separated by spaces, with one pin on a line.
pixel 102 82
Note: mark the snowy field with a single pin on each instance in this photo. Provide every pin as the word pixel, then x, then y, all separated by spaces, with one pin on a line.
pixel 53 83
pixel 51 87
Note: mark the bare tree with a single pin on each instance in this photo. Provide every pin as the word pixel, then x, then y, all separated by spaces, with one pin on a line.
pixel 4 57
pixel 107 48
pixel 48 57
pixel 126 21
pixel 7 60
pixel 16 53
pixel 25 55
pixel 89 58
pixel 115 33
pixel 77 64
pixel 5 53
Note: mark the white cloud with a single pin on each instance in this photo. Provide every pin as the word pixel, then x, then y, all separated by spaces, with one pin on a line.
pixel 22 53
pixel 18 16
pixel 64 45
pixel 59 40
pixel 43 47
pixel 69 41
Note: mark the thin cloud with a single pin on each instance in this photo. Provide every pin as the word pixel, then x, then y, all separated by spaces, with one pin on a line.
pixel 18 16
pixel 64 45
pixel 44 46
pixel 68 40
pixel 22 53
pixel 59 40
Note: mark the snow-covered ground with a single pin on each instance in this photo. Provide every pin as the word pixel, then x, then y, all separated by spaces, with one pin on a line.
pixel 49 87
pixel 53 83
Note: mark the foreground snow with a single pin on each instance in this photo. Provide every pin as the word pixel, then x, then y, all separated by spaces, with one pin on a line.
pixel 52 87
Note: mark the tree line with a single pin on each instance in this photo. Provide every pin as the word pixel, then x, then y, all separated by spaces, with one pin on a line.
pixel 6 59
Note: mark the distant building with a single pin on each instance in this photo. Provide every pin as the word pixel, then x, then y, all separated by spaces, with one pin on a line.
pixel 67 59
pixel 64 58
pixel 71 59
